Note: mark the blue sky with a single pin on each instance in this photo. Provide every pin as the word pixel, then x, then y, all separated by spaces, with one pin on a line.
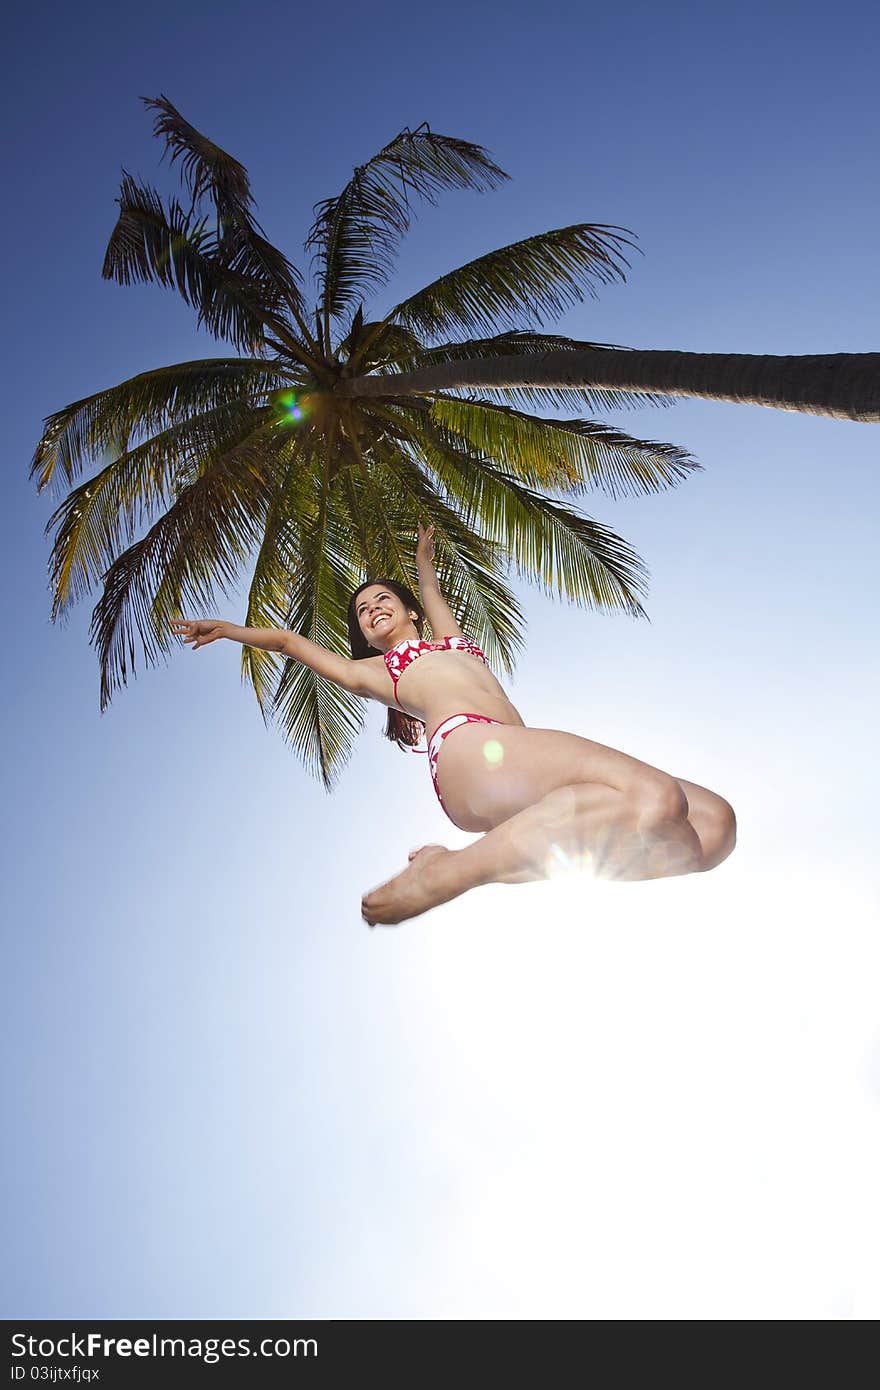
pixel 224 1096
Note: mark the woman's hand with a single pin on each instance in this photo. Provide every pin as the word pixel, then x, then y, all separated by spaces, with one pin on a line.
pixel 200 631
pixel 425 547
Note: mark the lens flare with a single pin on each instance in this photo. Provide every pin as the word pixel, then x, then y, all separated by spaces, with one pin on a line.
pixel 493 752
pixel 560 864
pixel 289 408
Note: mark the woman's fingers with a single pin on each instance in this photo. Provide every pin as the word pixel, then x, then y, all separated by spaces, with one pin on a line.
pixel 199 632
pixel 189 631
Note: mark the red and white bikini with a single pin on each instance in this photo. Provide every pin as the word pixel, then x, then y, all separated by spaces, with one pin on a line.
pixel 403 655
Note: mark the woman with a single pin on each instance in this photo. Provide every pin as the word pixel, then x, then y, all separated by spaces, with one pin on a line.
pixel 541 797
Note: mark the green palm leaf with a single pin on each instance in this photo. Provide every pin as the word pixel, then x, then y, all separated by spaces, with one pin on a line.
pixel 151 401
pixel 174 249
pixel 551 545
pixel 519 284
pixel 280 555
pixel 568 455
pixel 198 545
pixel 240 244
pixel 319 719
pixel 104 512
pixel 355 235
pixel 390 552
pixel 206 168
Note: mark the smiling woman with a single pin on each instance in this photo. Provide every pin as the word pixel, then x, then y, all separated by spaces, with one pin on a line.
pixel 541 797
pixel 380 597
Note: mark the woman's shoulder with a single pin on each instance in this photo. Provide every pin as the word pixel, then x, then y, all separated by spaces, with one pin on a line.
pixel 373 673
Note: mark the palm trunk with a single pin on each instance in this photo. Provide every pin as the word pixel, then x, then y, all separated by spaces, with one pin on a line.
pixel 845 385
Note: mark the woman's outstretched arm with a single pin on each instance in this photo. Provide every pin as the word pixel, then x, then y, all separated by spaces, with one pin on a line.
pixel 333 667
pixel 437 610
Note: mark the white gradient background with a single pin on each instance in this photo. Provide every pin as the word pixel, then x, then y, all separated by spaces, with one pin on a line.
pixel 223 1095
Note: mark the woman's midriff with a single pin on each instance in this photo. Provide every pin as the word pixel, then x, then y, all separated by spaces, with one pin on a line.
pixel 453 683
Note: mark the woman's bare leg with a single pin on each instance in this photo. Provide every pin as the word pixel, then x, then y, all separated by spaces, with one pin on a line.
pixel 712 817
pixel 624 820
pixel 586 825
pixel 714 820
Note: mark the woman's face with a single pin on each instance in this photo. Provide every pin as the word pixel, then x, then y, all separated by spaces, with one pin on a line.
pixel 382 617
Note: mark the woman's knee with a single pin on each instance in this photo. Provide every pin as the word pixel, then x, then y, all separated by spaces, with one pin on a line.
pixel 721 835
pixel 657 800
pixel 725 818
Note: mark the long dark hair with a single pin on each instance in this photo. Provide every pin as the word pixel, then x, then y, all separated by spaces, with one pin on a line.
pixel 402 729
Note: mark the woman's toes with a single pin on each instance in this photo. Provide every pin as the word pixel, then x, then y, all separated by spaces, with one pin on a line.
pixel 369 908
pixel 408 894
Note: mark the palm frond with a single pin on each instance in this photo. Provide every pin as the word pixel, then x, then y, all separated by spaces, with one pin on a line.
pixel 280 555
pixel 172 248
pixel 199 544
pixel 389 551
pixel 355 235
pixel 101 515
pixel 518 285
pixel 319 719
pixel 206 169
pixel 358 520
pixel 551 545
pixel 148 402
pixel 569 455
pixel 385 344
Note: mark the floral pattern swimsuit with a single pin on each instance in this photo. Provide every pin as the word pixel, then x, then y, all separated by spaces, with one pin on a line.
pixel 402 656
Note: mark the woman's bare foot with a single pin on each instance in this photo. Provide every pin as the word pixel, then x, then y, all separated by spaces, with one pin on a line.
pixel 413 852
pixel 408 894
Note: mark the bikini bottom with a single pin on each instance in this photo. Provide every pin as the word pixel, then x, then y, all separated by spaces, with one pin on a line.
pixel 443 731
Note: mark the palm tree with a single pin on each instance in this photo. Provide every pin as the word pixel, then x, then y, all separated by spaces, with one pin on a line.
pixel 278 452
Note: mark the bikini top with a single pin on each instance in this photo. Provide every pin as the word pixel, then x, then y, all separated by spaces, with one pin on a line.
pixel 405 653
